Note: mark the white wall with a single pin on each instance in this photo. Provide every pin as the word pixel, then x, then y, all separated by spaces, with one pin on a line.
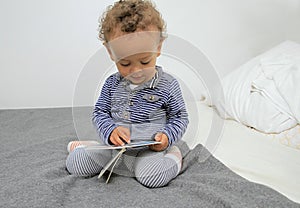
pixel 230 31
pixel 293 31
pixel 45 44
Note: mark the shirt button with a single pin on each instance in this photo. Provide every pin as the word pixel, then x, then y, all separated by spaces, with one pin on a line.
pixel 126 115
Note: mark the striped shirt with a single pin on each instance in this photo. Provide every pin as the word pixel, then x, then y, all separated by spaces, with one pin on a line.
pixel 155 106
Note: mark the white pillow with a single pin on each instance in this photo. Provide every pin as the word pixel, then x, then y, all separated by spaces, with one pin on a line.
pixel 247 91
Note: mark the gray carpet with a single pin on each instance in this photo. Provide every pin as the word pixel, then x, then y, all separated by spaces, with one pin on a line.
pixel 32 173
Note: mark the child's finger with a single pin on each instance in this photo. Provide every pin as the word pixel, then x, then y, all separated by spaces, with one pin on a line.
pixel 116 140
pixel 120 141
pixel 164 138
pixel 158 137
pixel 124 138
pixel 124 133
pixel 113 140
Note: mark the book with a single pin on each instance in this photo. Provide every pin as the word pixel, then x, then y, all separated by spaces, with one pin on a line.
pixel 122 149
pixel 133 144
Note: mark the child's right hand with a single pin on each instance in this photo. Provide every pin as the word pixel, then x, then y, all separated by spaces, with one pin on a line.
pixel 119 135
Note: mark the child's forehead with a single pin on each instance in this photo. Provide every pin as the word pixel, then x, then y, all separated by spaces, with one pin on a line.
pixel 134 43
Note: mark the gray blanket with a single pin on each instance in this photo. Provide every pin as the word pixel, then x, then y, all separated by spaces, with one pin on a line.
pixel 33 174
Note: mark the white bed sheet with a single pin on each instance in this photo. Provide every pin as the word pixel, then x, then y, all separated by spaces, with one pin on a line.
pixel 255 156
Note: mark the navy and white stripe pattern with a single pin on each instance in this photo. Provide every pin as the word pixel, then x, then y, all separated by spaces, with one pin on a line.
pixel 83 163
pixel 152 169
pixel 155 106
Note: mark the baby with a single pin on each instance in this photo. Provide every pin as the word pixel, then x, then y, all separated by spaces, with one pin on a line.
pixel 139 102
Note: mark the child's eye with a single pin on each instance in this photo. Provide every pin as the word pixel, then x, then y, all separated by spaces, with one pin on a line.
pixel 145 63
pixel 125 64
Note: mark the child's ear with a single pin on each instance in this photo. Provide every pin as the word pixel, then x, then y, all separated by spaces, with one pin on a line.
pixel 109 51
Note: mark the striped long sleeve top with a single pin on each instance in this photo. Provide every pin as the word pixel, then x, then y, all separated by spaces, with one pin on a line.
pixel 155 106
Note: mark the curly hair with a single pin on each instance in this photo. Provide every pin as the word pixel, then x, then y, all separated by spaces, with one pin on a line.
pixel 128 16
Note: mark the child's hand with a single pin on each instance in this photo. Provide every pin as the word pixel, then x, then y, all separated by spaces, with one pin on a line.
pixel 120 135
pixel 160 137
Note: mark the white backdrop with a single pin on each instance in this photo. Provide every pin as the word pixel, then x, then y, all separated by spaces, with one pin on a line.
pixel 45 44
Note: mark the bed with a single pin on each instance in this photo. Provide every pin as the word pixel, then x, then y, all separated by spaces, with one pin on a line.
pixel 261 106
pixel 256 156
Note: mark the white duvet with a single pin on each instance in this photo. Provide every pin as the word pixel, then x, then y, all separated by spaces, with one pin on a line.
pixel 279 82
pixel 264 93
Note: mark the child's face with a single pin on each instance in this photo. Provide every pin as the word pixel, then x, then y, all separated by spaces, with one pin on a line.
pixel 138 68
pixel 135 54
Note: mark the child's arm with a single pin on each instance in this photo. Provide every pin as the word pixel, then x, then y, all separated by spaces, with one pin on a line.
pixel 102 116
pixel 176 113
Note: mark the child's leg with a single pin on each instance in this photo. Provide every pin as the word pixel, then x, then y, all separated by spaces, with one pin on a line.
pixel 86 163
pixel 156 169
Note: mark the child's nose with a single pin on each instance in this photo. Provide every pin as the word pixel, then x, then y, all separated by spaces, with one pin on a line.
pixel 135 68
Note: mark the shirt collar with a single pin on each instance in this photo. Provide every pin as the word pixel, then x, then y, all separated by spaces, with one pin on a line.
pixel 150 84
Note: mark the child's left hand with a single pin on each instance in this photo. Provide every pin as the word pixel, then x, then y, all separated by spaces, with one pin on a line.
pixel 160 137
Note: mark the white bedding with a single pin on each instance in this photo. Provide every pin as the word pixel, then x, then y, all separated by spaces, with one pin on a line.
pixel 264 92
pixel 256 156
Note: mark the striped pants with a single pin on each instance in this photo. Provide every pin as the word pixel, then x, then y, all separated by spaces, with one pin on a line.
pixel 151 169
